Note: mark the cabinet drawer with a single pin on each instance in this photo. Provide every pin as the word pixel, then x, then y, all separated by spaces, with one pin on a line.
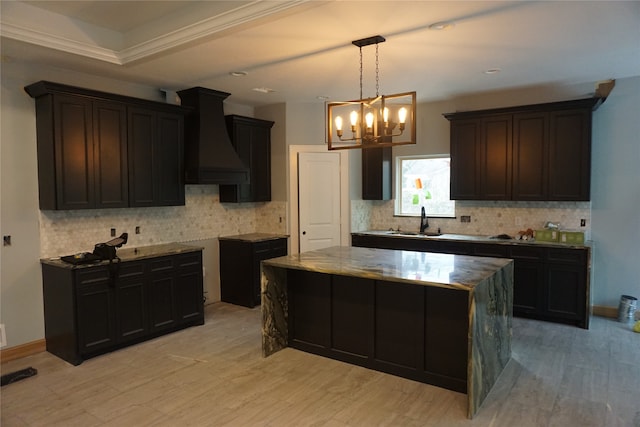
pixel 92 275
pixel 498 251
pixel 130 269
pixel 526 252
pixel 261 246
pixel 279 246
pixel 189 260
pixel 161 264
pixel 572 256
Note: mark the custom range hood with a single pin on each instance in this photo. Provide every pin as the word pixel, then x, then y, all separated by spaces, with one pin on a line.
pixel 209 156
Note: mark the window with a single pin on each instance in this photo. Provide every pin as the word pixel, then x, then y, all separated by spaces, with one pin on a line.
pixel 424 181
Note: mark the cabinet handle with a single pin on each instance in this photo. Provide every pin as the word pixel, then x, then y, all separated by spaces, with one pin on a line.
pixel 304 233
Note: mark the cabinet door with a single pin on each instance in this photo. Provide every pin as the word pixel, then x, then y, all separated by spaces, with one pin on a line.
pixel 495 158
pixel 309 309
pixel 528 279
pixel 251 139
pixel 189 291
pixel 565 291
pixel 161 300
pixel 570 155
pixel 169 160
pixel 131 301
pixel 142 166
pixel 352 316
pixel 73 153
pixel 261 164
pixel 236 272
pixel 155 147
pixel 530 156
pixel 376 173
pixel 110 155
pixel 465 159
pixel 399 317
pixel 96 310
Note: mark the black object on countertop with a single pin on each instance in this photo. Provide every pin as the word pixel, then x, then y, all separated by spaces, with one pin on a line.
pixel 501 237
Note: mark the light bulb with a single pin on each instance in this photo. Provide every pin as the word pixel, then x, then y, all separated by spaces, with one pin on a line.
pixel 369 119
pixel 385 114
pixel 402 115
pixel 354 118
pixel 338 123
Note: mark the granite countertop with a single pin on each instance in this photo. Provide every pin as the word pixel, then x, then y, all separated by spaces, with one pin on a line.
pixel 429 269
pixel 468 237
pixel 132 254
pixel 254 237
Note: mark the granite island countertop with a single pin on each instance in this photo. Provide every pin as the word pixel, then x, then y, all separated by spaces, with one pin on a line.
pixel 423 268
pixel 468 238
pixel 131 254
pixel 480 315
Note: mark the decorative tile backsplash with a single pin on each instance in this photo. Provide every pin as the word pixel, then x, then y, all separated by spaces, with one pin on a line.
pixel 202 217
pixel 487 217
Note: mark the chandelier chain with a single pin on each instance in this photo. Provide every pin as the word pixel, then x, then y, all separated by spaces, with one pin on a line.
pixel 377 75
pixel 361 72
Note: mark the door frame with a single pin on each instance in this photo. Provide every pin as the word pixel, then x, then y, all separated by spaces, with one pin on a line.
pixel 292 178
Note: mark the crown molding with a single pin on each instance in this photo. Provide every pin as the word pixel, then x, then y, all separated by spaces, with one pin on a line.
pixel 195 32
pixel 53 41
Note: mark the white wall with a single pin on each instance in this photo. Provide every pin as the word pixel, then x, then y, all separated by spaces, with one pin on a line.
pixel 615 194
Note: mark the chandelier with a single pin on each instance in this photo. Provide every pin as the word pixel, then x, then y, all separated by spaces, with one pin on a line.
pixel 381 121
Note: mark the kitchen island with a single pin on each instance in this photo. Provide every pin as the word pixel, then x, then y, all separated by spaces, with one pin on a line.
pixel 436 318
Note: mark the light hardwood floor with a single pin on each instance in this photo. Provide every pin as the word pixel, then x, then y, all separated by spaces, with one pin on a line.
pixel 214 375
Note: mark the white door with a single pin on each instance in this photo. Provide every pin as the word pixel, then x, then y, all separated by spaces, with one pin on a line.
pixel 319 200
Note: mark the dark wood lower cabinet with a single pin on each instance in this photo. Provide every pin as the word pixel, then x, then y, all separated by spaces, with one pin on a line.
pixel 91 310
pixel 550 282
pixel 413 331
pixel 240 258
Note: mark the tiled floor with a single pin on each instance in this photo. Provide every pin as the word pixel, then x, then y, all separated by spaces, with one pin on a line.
pixel 214 375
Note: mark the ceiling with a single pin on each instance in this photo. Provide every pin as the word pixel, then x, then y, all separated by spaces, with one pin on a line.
pixel 301 49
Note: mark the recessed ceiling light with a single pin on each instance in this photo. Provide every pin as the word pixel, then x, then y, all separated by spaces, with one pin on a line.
pixel 439 26
pixel 322 97
pixel 263 89
pixel 492 71
pixel 238 73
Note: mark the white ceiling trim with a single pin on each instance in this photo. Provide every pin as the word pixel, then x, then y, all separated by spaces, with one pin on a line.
pixel 206 28
pixel 53 41
pixel 189 34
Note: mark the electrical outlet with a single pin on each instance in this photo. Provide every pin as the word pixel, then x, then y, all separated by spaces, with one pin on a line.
pixel 137 229
pixel 6 240
pixel 113 232
pixel 465 218
pixel 3 335
pixel 583 222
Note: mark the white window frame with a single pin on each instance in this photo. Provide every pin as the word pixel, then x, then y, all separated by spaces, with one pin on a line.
pixel 398 199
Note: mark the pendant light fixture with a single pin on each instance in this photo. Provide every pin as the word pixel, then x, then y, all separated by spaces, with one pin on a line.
pixel 381 121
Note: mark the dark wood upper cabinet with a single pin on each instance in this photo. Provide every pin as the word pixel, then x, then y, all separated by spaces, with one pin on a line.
pixel 530 151
pixel 82 153
pixel 465 159
pixel 100 150
pixel 251 138
pixel 495 158
pixel 570 155
pixel 155 143
pixel 534 152
pixel 376 173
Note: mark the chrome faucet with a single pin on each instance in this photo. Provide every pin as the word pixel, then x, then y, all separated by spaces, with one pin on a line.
pixel 424 222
